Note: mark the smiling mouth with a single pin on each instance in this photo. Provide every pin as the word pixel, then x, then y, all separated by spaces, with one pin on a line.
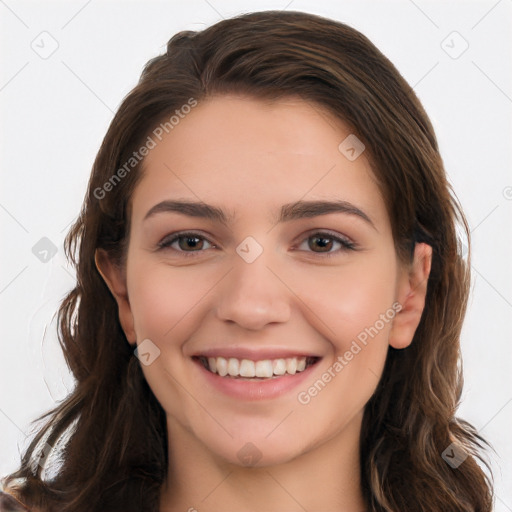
pixel 256 370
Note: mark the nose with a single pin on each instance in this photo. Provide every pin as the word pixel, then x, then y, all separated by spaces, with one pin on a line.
pixel 253 295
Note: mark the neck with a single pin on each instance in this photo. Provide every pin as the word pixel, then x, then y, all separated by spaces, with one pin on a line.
pixel 325 478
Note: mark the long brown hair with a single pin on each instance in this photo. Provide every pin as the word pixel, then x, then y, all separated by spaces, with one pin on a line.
pixel 115 453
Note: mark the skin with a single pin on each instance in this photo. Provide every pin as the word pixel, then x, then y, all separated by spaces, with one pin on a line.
pixel 249 158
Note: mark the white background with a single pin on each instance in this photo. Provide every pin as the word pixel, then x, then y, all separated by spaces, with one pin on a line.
pixel 55 112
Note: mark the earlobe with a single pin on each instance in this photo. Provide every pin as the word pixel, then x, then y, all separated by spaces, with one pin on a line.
pixel 115 279
pixel 412 292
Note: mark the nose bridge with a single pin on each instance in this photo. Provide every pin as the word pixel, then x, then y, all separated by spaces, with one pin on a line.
pixel 252 295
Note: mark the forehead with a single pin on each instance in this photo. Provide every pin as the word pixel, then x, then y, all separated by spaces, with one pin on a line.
pixel 243 153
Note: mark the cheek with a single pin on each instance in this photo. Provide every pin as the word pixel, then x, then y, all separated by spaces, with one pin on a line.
pixel 165 304
pixel 163 298
pixel 339 301
pixel 343 302
pixel 353 310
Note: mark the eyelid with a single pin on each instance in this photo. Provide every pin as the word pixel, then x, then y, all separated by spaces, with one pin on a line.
pixel 166 242
pixel 347 243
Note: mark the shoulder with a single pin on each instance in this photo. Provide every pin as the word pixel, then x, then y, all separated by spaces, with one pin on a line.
pixel 8 503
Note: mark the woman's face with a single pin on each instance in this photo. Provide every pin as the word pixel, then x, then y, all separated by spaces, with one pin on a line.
pixel 284 259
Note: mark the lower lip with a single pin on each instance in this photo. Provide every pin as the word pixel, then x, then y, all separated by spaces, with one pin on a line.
pixel 245 389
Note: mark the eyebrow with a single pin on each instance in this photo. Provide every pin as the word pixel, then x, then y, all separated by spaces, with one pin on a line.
pixel 290 211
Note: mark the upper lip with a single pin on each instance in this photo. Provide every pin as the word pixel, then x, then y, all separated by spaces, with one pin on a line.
pixel 254 354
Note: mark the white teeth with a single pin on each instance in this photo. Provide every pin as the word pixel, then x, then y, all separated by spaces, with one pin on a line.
pixel 222 366
pixel 247 368
pixel 291 365
pixel 233 367
pixel 260 369
pixel 264 368
pixel 279 366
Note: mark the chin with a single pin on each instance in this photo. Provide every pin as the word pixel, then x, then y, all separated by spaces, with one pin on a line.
pixel 257 450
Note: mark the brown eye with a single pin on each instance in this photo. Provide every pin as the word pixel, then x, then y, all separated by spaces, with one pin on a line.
pixel 328 244
pixel 323 243
pixel 190 242
pixel 185 242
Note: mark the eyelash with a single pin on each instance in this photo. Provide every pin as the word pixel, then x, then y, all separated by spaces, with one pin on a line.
pixel 346 244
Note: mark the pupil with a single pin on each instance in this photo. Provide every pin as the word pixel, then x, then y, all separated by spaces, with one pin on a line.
pixel 323 243
pixel 189 242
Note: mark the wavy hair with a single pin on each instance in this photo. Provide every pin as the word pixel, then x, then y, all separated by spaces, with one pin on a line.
pixel 114 453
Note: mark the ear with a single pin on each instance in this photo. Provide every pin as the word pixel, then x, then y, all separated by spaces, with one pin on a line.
pixel 115 278
pixel 411 294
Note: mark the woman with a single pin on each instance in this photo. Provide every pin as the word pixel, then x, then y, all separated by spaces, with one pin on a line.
pixel 270 291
